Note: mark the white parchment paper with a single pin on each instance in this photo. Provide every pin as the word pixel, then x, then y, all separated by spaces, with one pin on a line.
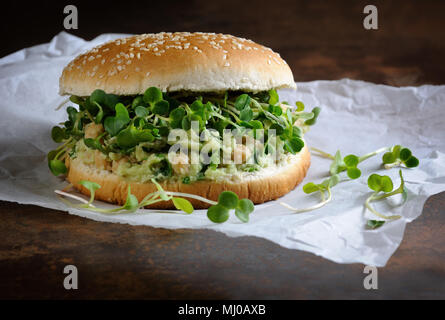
pixel 357 117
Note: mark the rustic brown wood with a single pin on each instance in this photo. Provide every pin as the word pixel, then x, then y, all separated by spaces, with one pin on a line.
pixel 320 40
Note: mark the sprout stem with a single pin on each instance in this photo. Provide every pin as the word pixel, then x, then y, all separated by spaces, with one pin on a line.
pixel 63 150
pixel 62 103
pixel 236 111
pixel 392 165
pixel 72 196
pixel 233 114
pixel 192 196
pixel 371 154
pixel 163 118
pixel 323 154
pixel 89 115
pixel 225 119
pixel 323 202
pixel 370 208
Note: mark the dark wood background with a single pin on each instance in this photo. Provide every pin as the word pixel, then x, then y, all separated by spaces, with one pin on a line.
pixel 320 40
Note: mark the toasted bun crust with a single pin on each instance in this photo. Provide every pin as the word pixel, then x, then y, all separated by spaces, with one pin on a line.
pixel 176 61
pixel 259 189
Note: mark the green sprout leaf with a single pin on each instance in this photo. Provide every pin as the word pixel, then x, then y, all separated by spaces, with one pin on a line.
pixel 131 204
pixel 161 107
pixel 98 96
pixel 316 111
pixel 273 97
pixel 353 173
pixel 58 134
pixel 183 204
pixel 388 157
pixel 138 102
pixel 93 144
pixel 141 111
pixel 244 209
pixel 405 153
pixel 386 184
pixel 255 124
pixel 275 110
pixel 57 167
pixel 351 160
pixel 242 102
pixel 412 162
pixel 337 164
pixel 162 193
pixel 99 115
pixel 218 213
pixel 380 183
pixel 246 114
pixel 348 163
pixel 294 145
pixel 374 182
pixel 176 117
pixel 77 100
pixel 374 224
pixel 152 95
pixel 131 136
pixel 311 187
pixel 92 187
pixel 300 106
pixel 397 156
pixel 228 199
pixel 110 101
pixel 113 125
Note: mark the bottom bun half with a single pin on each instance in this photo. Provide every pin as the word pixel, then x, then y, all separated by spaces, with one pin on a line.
pixel 259 187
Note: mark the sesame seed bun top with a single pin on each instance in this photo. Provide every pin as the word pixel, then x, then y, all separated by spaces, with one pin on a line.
pixel 176 61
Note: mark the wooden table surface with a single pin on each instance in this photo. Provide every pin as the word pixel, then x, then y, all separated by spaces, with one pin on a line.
pixel 319 40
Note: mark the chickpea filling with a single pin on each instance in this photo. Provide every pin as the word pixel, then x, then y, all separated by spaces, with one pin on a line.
pixel 181 136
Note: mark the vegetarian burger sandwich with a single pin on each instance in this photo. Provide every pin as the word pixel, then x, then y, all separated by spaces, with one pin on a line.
pixel 196 113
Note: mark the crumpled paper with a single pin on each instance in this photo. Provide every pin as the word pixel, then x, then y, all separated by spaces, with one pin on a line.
pixel 357 117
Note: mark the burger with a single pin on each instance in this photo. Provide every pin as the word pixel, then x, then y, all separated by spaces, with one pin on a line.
pixel 196 113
